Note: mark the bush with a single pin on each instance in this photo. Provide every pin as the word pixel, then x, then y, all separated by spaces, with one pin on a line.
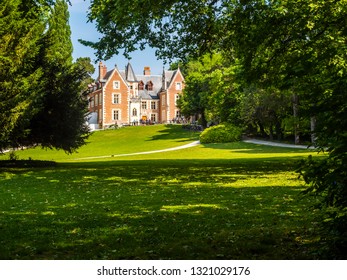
pixel 221 133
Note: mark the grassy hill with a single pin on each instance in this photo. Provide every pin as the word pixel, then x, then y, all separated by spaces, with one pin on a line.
pixel 126 140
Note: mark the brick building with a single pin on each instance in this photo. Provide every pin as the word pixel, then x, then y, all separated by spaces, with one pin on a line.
pixel 124 98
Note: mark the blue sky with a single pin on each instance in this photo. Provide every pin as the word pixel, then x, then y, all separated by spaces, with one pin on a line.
pixel 80 29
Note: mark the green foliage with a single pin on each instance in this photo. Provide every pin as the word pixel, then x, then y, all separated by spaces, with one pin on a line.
pixel 312 64
pixel 222 133
pixel 327 180
pixel 41 93
pixel 264 111
pixel 84 65
pixel 20 34
pixel 61 122
pixel 176 28
pixel 58 46
pixel 211 90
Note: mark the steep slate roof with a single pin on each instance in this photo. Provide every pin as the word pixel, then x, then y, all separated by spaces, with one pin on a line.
pixel 129 73
pixel 157 80
pixel 108 75
pixel 169 74
pixel 157 86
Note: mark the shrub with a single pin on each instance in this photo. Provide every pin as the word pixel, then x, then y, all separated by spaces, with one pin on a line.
pixel 221 133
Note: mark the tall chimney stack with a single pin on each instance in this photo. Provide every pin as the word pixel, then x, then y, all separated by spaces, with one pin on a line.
pixel 102 71
pixel 147 71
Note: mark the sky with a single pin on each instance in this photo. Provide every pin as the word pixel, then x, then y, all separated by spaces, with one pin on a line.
pixel 81 29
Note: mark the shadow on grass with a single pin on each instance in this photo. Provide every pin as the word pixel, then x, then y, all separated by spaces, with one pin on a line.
pixel 156 209
pixel 249 148
pixel 175 132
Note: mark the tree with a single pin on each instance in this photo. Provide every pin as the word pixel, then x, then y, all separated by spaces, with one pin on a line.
pixel 20 33
pixel 305 53
pixel 57 40
pixel 60 123
pixel 211 90
pixel 41 90
pixel 84 64
pixel 177 29
pixel 266 111
pixel 194 101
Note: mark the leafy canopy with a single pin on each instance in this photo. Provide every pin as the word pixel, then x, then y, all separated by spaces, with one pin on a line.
pixel 296 45
pixel 175 28
pixel 40 88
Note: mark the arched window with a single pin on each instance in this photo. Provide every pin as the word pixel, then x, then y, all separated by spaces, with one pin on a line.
pixel 134 112
pixel 141 85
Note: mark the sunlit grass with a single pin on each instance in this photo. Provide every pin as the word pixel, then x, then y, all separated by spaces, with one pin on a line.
pixel 125 140
pixel 229 201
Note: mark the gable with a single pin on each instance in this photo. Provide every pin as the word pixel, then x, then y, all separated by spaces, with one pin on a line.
pixel 113 76
pixel 176 77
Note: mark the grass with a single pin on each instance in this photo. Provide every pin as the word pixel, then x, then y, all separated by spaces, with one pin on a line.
pixel 121 141
pixel 225 201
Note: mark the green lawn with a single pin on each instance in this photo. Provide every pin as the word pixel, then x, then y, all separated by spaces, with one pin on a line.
pixel 218 201
pixel 131 139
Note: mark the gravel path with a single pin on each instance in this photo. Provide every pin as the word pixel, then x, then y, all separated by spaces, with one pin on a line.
pixel 195 143
pixel 192 144
pixel 274 144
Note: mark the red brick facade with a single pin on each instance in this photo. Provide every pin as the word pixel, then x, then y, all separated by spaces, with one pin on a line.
pixel 123 98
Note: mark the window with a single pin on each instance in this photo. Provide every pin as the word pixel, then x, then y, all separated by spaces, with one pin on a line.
pixel 153 105
pixel 141 85
pixel 134 112
pixel 153 117
pixel 115 115
pixel 149 85
pixel 178 114
pixel 144 105
pixel 116 98
pixel 116 84
pixel 96 100
pixel 163 101
pixel 178 86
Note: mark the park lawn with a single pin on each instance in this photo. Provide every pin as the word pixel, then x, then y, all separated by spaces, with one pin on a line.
pixel 124 140
pixel 185 204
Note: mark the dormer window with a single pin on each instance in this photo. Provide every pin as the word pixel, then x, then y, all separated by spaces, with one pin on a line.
pixel 141 85
pixel 149 85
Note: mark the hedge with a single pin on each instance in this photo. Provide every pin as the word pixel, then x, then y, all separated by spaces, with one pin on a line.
pixel 221 133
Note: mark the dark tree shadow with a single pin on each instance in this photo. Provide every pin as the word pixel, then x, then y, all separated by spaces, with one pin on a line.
pixel 156 209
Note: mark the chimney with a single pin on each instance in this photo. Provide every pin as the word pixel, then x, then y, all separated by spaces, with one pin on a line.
pixel 102 71
pixel 147 71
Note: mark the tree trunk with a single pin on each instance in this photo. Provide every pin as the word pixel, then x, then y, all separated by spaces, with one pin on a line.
pixel 203 120
pixel 296 118
pixel 313 129
pixel 271 133
pixel 262 129
pixel 278 129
